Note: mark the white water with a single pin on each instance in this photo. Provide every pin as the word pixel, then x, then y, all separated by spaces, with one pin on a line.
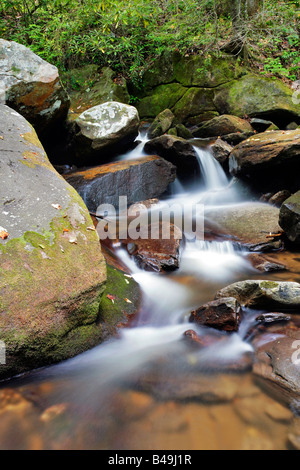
pixel 167 302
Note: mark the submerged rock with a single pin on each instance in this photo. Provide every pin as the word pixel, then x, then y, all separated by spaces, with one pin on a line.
pixel 52 270
pixel 32 87
pixel 268 295
pixel 264 264
pixel 289 218
pixel 222 314
pixel 104 130
pixel 138 180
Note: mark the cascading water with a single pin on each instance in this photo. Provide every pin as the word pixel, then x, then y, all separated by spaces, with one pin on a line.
pixel 157 335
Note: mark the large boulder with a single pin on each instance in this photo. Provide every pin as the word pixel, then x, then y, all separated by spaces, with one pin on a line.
pixel 52 270
pixel 289 218
pixel 31 86
pixel 270 159
pixel 104 130
pixel 138 180
pixel 223 125
pixel 161 98
pixel 260 97
pixel 267 295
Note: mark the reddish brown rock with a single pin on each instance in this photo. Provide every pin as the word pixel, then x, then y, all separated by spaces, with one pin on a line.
pixel 222 314
pixel 157 253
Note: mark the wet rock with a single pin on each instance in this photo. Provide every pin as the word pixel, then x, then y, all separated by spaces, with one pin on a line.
pixel 270 157
pixel 277 362
pixel 264 264
pixel 161 124
pixel 223 125
pixel 161 251
pixel 221 151
pixel 279 198
pixel 49 303
pixel 289 218
pixel 222 314
pixel 104 130
pixel 268 295
pixel 294 434
pixel 177 151
pixel 138 180
pixel 32 87
pixel 237 137
pixel 265 318
pixel 249 224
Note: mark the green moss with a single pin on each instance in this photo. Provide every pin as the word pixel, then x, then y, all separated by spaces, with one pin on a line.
pixel 120 287
pixel 269 285
pixel 163 97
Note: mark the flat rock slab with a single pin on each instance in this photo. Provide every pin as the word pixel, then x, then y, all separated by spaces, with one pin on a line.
pixel 250 224
pixel 138 180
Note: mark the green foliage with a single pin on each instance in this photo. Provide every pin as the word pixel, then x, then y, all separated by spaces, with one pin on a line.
pixel 128 34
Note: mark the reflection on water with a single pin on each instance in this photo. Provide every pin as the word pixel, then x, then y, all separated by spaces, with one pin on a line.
pixel 151 388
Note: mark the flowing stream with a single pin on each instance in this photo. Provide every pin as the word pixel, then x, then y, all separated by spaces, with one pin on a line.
pixel 148 389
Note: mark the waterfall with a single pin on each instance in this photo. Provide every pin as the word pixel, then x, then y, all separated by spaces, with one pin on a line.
pixel 212 172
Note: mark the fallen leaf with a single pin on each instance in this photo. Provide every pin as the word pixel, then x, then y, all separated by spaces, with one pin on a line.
pixel 128 301
pixel 1 137
pixel 73 240
pixel 66 230
pixel 3 234
pixel 56 206
pixel 91 228
pixel 111 297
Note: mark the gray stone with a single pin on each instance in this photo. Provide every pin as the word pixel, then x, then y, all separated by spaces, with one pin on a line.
pixel 31 86
pixel 103 128
pixel 267 295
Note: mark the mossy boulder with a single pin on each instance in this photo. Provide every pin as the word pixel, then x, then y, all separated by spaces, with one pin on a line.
pixel 163 97
pixel 195 102
pixel 260 97
pixel 52 270
pixel 161 124
pixel 89 87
